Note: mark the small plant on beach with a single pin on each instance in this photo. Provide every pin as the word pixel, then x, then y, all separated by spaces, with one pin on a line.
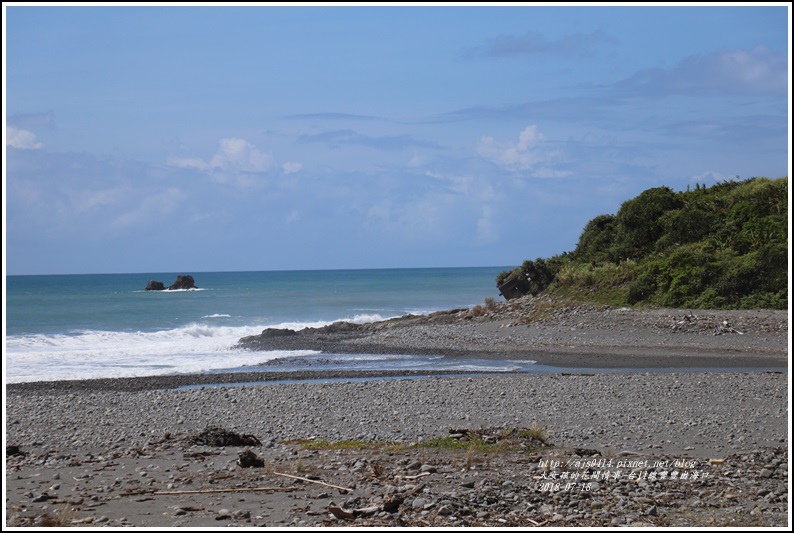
pixel 65 516
pixel 490 303
pixel 469 457
pixel 535 432
pixel 377 470
pixel 450 443
pixel 476 311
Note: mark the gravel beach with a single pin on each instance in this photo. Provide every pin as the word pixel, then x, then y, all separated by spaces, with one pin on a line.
pixel 671 448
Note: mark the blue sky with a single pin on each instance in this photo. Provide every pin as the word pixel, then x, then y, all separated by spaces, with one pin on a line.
pixel 189 139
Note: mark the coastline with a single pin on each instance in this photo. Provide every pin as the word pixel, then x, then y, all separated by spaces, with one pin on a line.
pixel 107 452
pixel 559 333
pixel 548 332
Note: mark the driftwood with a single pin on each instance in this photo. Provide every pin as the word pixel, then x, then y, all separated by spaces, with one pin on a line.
pixel 390 505
pixel 210 491
pixel 417 476
pixel 307 480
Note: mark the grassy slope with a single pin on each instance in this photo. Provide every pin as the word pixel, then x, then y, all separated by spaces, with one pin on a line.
pixel 724 246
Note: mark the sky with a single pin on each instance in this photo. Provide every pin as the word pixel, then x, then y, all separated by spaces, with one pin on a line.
pixel 230 138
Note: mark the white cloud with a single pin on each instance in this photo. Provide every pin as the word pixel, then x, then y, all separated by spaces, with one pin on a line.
pixel 530 137
pixel 526 155
pixel 240 155
pixel 291 167
pixel 188 162
pixel 151 206
pixel 86 200
pixel 233 162
pixel 754 71
pixel 416 160
pixel 477 189
pixel 294 216
pixel 380 210
pixel 21 139
pixel 486 229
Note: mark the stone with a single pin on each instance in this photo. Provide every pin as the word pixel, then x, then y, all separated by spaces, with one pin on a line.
pixel 183 282
pixel 445 510
pixel 155 285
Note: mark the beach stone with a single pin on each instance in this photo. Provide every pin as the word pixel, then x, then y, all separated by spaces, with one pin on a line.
pixel 445 510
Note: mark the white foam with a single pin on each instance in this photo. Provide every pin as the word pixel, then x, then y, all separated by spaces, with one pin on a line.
pixel 356 319
pixel 102 354
pixel 193 348
pixel 167 290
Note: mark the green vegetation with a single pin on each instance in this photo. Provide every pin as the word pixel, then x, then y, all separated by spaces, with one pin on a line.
pixel 722 247
pixel 484 439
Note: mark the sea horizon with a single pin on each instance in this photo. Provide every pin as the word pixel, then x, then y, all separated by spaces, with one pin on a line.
pixel 248 271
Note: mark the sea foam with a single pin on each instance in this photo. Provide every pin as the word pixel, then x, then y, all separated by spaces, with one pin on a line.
pixel 193 348
pixel 106 354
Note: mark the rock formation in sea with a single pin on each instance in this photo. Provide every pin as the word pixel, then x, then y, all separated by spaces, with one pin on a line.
pixel 182 282
pixel 155 286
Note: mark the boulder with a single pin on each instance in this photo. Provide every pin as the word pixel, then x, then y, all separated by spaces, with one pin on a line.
pixel 155 286
pixel 183 282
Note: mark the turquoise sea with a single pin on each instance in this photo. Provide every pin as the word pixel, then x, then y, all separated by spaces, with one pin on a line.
pixel 108 325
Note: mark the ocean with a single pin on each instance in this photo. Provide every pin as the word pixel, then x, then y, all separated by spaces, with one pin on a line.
pixel 107 325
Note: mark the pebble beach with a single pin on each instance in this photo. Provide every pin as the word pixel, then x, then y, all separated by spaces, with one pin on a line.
pixel 432 450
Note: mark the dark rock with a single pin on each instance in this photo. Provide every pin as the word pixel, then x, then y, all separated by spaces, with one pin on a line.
pixel 214 436
pixel 155 286
pixel 276 332
pixel 13 449
pixel 340 327
pixel 183 282
pixel 586 452
pixel 248 459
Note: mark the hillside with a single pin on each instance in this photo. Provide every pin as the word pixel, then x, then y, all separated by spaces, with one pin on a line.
pixel 718 247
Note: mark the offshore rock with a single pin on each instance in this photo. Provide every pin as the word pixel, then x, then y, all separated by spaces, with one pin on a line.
pixel 155 286
pixel 183 282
